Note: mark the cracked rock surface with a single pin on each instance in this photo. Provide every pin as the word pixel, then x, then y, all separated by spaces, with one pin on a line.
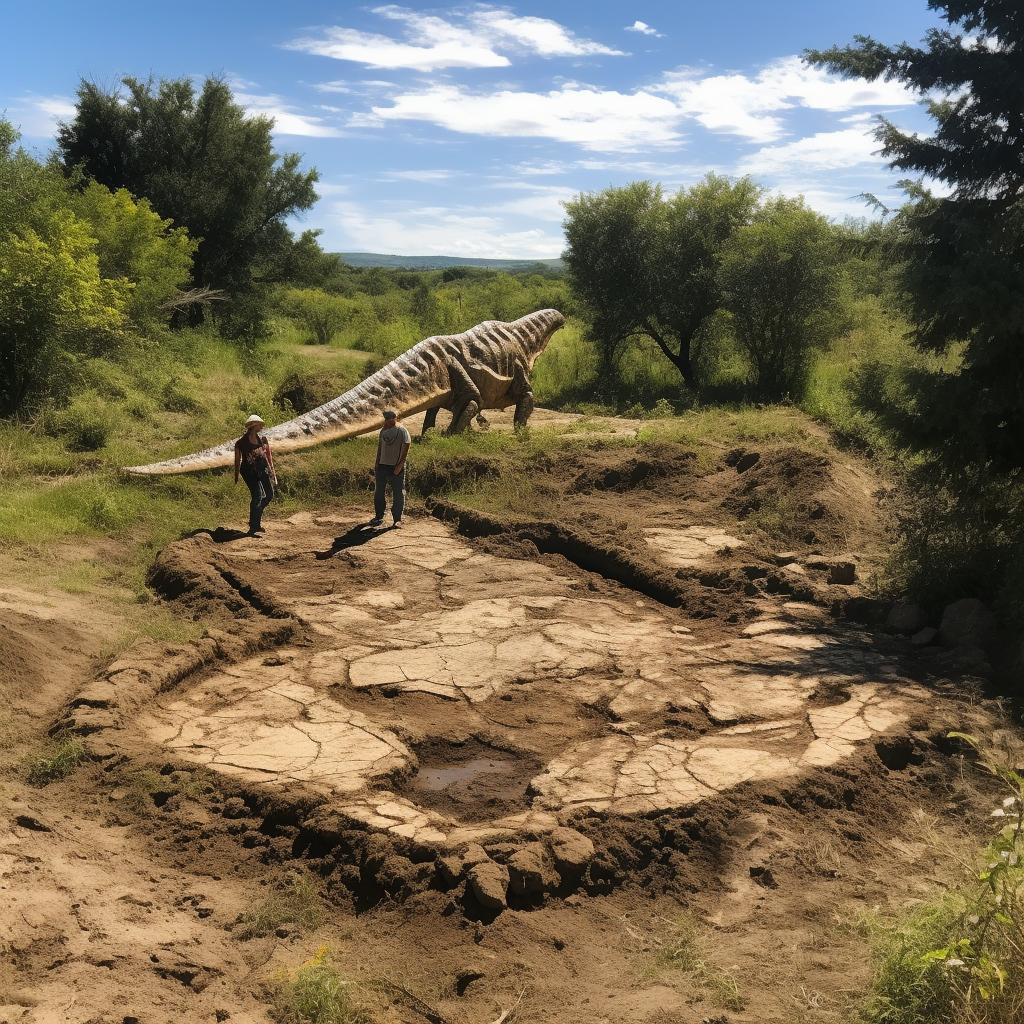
pixel 621 704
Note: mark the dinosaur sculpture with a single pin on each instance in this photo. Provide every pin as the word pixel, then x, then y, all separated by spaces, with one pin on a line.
pixel 486 367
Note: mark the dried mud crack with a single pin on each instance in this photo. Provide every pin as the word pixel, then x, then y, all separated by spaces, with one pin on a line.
pixel 424 698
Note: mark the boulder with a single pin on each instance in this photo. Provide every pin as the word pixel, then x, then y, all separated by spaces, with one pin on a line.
pixel 924 637
pixel 906 618
pixel 489 884
pixel 966 622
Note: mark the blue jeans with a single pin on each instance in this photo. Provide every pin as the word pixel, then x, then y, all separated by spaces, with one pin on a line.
pixel 262 490
pixel 384 475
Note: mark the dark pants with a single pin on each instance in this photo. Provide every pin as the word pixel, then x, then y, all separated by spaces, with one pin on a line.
pixel 262 490
pixel 385 475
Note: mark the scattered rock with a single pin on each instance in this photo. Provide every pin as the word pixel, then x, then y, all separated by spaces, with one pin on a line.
pixel 908 619
pixel 450 868
pixel 529 870
pixel 924 637
pixel 474 854
pixel 489 884
pixel 966 622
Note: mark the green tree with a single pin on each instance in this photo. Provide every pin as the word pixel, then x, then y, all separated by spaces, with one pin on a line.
pixel 643 264
pixel 321 314
pixel 780 284
pixel 201 162
pixel 133 243
pixel 54 303
pixel 960 260
pixel 961 254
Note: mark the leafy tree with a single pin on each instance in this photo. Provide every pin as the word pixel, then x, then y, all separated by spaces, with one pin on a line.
pixel 962 254
pixel 200 161
pixel 611 237
pixel 644 264
pixel 780 283
pixel 54 302
pixel 960 258
pixel 134 244
pixel 321 314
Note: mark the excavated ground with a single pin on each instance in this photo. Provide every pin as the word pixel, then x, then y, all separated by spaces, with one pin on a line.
pixel 622 760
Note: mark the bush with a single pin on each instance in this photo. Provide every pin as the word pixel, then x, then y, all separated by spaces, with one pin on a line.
pixel 321 314
pixel 62 757
pixel 85 426
pixel 317 994
pixel 962 959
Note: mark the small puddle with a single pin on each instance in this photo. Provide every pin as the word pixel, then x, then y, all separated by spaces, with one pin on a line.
pixel 471 780
pixel 438 778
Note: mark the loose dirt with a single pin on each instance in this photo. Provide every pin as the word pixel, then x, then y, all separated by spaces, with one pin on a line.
pixel 643 755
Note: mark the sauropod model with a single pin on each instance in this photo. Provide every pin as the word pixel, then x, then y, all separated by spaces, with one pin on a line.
pixel 486 367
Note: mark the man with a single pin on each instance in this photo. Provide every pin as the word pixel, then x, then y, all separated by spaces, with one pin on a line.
pixel 392 450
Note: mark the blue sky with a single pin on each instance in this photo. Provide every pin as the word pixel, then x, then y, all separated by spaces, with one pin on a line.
pixel 459 129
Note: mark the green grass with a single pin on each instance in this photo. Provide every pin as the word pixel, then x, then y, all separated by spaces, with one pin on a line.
pixel 60 759
pixel 296 901
pixel 317 994
pixel 683 949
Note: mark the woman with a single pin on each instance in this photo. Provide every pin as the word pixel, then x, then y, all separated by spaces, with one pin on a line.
pixel 253 459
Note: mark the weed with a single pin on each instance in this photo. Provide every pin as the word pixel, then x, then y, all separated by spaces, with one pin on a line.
pixel 961 959
pixel 63 755
pixel 317 994
pixel 297 900
pixel 683 950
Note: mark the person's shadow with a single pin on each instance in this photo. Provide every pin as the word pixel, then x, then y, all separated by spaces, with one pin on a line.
pixel 359 534
pixel 219 535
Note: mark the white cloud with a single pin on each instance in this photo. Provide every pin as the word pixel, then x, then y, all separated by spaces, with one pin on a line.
pixel 286 120
pixel 640 26
pixel 594 119
pixel 743 105
pixel 427 176
pixel 820 152
pixel 434 42
pixel 37 116
pixel 439 231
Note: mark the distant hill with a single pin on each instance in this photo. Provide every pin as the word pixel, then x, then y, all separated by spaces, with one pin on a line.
pixel 376 259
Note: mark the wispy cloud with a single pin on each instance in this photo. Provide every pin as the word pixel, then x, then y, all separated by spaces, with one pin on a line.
pixel 643 27
pixel 595 119
pixel 37 116
pixel 441 175
pixel 287 121
pixel 752 107
pixel 822 151
pixel 465 230
pixel 480 38
pixel 748 106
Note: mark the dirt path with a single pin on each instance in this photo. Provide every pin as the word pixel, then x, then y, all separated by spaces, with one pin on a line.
pixel 619 763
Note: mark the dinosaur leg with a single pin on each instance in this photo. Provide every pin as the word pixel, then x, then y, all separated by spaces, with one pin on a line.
pixel 465 399
pixel 430 420
pixel 523 393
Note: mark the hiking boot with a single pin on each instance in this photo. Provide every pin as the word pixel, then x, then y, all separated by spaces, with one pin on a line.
pixel 398 524
pixel 375 522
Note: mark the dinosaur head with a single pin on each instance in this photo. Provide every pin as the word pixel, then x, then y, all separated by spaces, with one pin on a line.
pixel 534 331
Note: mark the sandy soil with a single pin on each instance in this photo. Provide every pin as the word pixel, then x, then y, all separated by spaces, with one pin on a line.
pixel 630 758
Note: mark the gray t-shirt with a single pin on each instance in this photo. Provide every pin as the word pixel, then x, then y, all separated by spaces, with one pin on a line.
pixel 389 447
